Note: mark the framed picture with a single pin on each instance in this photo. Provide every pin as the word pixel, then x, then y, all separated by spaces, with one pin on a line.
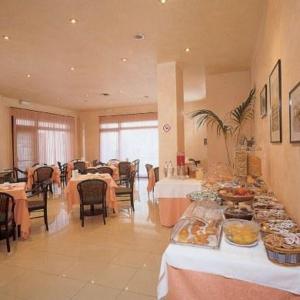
pixel 263 101
pixel 294 108
pixel 275 104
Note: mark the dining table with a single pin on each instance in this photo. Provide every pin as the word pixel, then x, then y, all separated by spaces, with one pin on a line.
pixel 172 201
pixel 72 194
pixel 31 179
pixel 21 213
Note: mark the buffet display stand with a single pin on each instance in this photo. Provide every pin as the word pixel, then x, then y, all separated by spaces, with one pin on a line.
pixel 171 194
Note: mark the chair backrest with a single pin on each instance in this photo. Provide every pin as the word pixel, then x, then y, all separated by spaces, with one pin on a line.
pixel 34 165
pixel 60 166
pixel 105 170
pixel 156 173
pixel 7 205
pixel 19 174
pixel 40 188
pixel 94 162
pixel 148 168
pixel 91 170
pixel 136 163
pixel 75 159
pixel 124 168
pixel 92 190
pixel 113 161
pixel 80 166
pixel 42 174
pixel 132 179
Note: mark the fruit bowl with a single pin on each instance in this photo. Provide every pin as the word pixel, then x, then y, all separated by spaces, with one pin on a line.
pixel 236 195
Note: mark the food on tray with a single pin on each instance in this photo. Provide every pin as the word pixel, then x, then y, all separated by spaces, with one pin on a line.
pixel 279 226
pixel 238 213
pixel 264 202
pixel 262 215
pixel 205 194
pixel 197 232
pixel 201 239
pixel 231 192
pixel 284 241
pixel 183 235
pixel 241 232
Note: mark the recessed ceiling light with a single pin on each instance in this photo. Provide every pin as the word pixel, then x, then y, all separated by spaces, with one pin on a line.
pixel 124 59
pixel 163 1
pixel 187 49
pixel 28 75
pixel 73 21
pixel 72 69
pixel 105 94
pixel 6 37
pixel 146 97
pixel 139 36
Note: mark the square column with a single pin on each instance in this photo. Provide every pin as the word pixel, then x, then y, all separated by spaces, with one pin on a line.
pixel 170 112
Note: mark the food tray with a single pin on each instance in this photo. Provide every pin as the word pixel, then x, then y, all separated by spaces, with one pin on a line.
pixel 197 232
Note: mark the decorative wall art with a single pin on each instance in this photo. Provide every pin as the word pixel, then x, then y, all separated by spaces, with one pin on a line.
pixel 263 101
pixel 275 104
pixel 294 105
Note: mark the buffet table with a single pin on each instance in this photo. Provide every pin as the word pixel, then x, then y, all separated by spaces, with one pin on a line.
pixel 171 193
pixel 227 273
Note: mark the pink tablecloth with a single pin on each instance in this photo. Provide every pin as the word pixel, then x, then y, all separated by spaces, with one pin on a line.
pixel 73 197
pixel 151 180
pixel 55 176
pixel 21 213
pixel 171 209
pixel 191 285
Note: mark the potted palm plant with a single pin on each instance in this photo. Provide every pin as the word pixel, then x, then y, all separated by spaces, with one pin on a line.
pixel 233 127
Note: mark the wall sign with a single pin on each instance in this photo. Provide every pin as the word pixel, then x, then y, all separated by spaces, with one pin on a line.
pixel 166 127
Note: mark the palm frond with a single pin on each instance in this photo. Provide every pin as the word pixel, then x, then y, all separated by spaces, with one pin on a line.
pixel 244 111
pixel 208 117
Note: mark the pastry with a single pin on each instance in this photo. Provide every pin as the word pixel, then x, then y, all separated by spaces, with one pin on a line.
pixel 201 239
pixel 183 235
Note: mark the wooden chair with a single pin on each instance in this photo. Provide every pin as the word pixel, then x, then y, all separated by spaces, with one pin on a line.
pixel 38 201
pixel 136 163
pixel 95 162
pixel 124 172
pixel 80 166
pixel 92 192
pixel 127 191
pixel 156 174
pixel 7 223
pixel 43 175
pixel 19 175
pixel 105 170
pixel 148 168
pixel 91 170
pixel 196 162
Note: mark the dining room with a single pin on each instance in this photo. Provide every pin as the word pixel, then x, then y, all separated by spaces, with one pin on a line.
pixel 149 149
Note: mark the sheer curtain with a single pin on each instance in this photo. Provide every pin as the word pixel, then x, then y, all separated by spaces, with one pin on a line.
pixel 41 137
pixel 130 137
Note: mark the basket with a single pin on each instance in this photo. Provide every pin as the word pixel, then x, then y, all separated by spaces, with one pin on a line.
pixel 282 256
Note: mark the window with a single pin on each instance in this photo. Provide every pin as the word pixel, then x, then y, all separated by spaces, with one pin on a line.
pixel 130 137
pixel 42 137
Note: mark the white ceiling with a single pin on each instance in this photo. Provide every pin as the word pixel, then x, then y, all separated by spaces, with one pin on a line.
pixel 42 42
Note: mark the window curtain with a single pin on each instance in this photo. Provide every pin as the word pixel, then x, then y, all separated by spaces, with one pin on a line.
pixel 41 137
pixel 129 137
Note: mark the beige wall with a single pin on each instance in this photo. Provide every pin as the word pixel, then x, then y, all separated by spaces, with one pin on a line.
pixel 5 125
pixel 279 38
pixel 223 93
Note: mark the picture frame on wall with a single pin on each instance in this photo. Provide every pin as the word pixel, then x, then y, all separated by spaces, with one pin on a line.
pixel 294 113
pixel 275 104
pixel 263 102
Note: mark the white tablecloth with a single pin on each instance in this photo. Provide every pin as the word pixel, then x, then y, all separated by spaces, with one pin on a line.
pixel 176 188
pixel 248 264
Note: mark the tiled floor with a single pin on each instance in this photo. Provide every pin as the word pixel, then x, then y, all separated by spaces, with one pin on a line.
pixel 119 260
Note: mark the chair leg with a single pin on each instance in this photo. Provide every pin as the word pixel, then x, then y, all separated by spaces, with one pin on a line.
pixel 46 218
pixel 131 200
pixel 82 215
pixel 19 231
pixel 14 232
pixel 7 243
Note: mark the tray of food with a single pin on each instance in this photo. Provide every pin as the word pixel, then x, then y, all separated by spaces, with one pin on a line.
pixel 283 249
pixel 238 213
pixel 262 215
pixel 205 194
pixel 241 233
pixel 197 232
pixel 266 202
pixel 236 195
pixel 279 226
